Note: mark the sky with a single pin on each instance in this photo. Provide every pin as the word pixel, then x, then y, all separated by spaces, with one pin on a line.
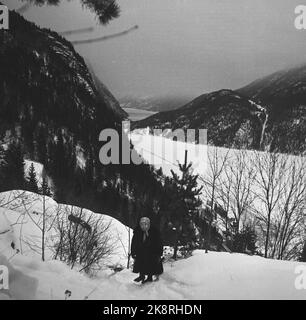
pixel 183 48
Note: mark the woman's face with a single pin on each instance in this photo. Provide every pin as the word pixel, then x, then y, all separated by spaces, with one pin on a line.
pixel 144 224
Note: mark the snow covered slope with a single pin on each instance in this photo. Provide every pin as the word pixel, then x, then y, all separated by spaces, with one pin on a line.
pixel 173 152
pixel 201 276
pixel 165 153
pixel 21 222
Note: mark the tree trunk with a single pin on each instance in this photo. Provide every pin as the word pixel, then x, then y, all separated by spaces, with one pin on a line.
pixel 43 230
pixel 267 238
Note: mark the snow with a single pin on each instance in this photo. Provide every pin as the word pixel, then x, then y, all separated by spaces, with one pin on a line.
pixel 213 275
pixel 20 244
pixel 201 276
pixel 167 154
pixel 21 286
pixel 258 106
pixel 38 167
pixel 24 211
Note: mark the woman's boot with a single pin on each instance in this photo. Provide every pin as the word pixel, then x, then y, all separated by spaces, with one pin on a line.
pixel 149 279
pixel 140 278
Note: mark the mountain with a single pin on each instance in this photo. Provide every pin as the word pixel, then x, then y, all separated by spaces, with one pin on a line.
pixel 106 95
pixel 42 77
pixel 284 96
pixel 231 119
pixel 268 114
pixel 155 104
pixel 53 108
pixel 284 83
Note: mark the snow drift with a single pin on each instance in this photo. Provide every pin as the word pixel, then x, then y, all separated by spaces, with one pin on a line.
pixel 202 276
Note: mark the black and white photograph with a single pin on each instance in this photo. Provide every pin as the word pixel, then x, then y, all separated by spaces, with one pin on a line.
pixel 152 150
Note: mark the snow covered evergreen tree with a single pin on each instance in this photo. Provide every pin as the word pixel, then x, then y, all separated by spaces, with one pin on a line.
pixel 45 189
pixel 32 184
pixel 186 202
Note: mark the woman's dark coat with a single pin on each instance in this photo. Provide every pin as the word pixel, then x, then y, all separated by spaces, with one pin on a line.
pixel 147 254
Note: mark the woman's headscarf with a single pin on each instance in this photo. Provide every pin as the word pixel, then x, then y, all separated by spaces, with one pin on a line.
pixel 145 226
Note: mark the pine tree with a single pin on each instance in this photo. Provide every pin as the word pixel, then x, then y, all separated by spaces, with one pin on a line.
pixel 106 10
pixel 45 189
pixel 186 202
pixel 31 180
pixel 245 240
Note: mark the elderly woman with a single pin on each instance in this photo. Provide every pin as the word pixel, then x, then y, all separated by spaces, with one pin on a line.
pixel 147 250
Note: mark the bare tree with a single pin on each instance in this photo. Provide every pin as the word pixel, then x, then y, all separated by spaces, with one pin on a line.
pixel 224 197
pixel 44 221
pixel 82 239
pixel 104 38
pixel 27 203
pixel 237 187
pixel 271 183
pixel 14 199
pixel 288 224
pixel 217 160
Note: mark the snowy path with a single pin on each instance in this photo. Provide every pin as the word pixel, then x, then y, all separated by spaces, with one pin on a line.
pixel 202 276
pixel 214 276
